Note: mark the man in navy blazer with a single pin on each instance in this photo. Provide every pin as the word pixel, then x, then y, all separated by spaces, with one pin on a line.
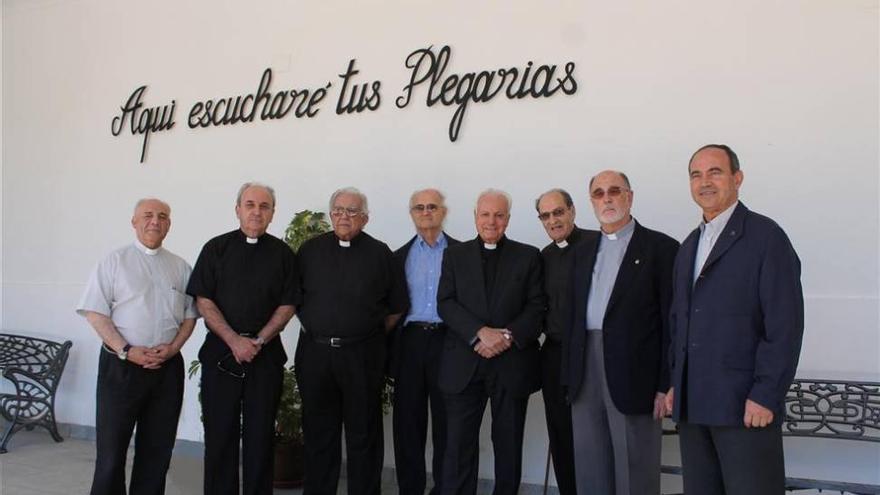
pixel 492 300
pixel 417 346
pixel 614 356
pixel 737 321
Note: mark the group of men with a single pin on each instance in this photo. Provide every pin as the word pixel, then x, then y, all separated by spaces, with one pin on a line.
pixel 635 328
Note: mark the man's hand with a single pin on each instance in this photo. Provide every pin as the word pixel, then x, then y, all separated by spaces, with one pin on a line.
pixel 756 415
pixel 659 405
pixel 670 401
pixel 244 349
pixel 493 341
pixel 142 356
pixel 162 352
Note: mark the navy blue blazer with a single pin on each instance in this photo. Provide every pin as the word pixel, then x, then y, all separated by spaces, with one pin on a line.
pixel 737 331
pixel 517 304
pixel 635 332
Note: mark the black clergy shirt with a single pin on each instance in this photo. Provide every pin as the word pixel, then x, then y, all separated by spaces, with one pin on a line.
pixel 558 266
pixel 246 281
pixel 348 291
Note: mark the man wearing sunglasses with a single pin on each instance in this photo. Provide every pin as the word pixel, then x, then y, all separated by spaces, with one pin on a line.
pixel 615 352
pixel 353 293
pixel 135 302
pixel 557 213
pixel 246 287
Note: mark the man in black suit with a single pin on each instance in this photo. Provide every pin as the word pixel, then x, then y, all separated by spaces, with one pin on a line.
pixel 492 299
pixel 557 213
pixel 615 364
pixel 737 322
pixel 417 347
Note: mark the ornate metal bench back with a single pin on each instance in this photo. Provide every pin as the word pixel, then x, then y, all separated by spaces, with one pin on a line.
pixel 43 358
pixel 833 409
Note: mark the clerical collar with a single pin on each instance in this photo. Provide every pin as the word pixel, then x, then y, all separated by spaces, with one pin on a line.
pixel 251 240
pixel 490 246
pixel 344 244
pixel 562 244
pixel 145 249
pixel 621 233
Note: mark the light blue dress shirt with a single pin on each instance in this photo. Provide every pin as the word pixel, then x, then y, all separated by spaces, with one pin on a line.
pixel 422 277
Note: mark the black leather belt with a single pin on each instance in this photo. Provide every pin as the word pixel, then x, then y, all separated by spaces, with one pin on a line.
pixel 425 325
pixel 339 341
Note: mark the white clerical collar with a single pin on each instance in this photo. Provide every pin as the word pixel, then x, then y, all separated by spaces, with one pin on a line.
pixel 251 240
pixel 145 249
pixel 621 232
pixel 344 244
pixel 562 244
pixel 490 246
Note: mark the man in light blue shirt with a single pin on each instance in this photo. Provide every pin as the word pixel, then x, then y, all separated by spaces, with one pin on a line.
pixel 417 346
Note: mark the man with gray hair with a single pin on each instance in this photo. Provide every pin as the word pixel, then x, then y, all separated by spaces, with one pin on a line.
pixel 418 346
pixel 614 356
pixel 246 286
pixel 352 295
pixel 135 302
pixel 492 299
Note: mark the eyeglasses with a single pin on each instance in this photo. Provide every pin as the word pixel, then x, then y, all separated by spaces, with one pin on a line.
pixel 612 192
pixel 430 207
pixel 557 213
pixel 340 211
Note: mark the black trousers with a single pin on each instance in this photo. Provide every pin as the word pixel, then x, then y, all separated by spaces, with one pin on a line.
pixel 415 386
pixel 558 414
pixel 464 413
pixel 731 460
pixel 240 410
pixel 129 395
pixel 342 386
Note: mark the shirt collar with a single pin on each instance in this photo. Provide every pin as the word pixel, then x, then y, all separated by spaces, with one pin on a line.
pixel 440 243
pixel 145 249
pixel 718 223
pixel 623 233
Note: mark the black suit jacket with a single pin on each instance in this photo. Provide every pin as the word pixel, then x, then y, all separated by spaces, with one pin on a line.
pixel 517 304
pixel 738 329
pixel 635 330
pixel 394 340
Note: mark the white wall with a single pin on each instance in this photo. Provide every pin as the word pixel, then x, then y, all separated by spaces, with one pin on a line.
pixel 791 85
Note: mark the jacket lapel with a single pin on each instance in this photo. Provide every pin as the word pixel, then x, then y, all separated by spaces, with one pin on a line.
pixel 585 260
pixel 631 264
pixel 731 233
pixel 474 265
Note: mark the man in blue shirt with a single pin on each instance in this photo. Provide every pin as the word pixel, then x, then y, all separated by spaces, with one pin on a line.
pixel 418 344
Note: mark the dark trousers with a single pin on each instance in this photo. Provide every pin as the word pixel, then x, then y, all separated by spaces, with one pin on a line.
pixel 416 384
pixel 240 411
pixel 129 395
pixel 464 413
pixel 731 460
pixel 342 386
pixel 558 414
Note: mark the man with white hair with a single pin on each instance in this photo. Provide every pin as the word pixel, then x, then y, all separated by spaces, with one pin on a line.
pixel 136 303
pixel 492 299
pixel 246 287
pixel 352 295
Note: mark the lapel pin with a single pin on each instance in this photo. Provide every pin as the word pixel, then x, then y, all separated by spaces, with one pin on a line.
pixel 637 262
pixel 732 233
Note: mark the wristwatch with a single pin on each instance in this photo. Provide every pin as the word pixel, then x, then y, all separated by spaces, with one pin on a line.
pixel 123 354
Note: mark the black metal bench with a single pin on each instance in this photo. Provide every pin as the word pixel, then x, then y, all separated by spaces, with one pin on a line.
pixel 34 366
pixel 837 409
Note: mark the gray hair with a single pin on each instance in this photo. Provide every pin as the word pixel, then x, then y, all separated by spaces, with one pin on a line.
pixel 144 200
pixel 495 192
pixel 354 192
pixel 244 187
pixel 566 198
pixel 429 189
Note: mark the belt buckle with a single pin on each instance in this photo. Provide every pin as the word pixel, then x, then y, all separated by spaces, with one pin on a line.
pixel 335 342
